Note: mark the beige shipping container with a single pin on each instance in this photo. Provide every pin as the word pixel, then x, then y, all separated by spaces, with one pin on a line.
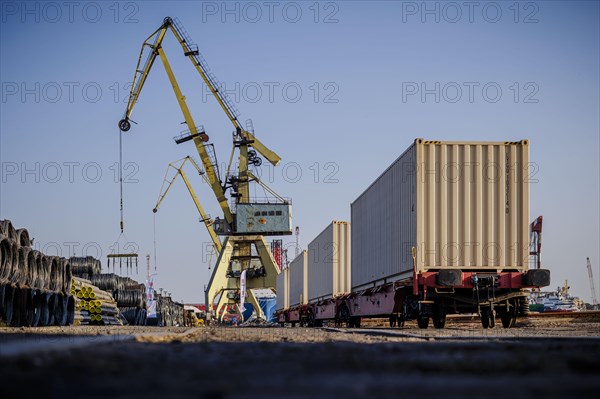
pixel 462 205
pixel 329 262
pixel 283 290
pixel 298 280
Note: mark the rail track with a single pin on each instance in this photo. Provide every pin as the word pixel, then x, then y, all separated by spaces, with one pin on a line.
pixel 584 314
pixel 587 313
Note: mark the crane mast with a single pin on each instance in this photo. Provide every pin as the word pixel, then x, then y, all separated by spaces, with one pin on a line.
pixel 246 224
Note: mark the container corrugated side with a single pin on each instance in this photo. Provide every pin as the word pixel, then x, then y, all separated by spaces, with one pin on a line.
pixel 298 280
pixel 384 224
pixel 329 256
pixel 283 289
pixel 463 205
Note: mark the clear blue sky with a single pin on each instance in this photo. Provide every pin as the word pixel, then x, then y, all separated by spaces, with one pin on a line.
pixel 64 71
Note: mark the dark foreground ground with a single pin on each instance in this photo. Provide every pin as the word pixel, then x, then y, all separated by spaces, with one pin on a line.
pixel 541 359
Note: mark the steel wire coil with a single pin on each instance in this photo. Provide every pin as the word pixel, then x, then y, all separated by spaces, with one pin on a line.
pixel 43 271
pixel 28 304
pixel 56 274
pixel 34 288
pixel 60 309
pixel 135 316
pixel 106 281
pixel 67 276
pixel 41 290
pixel 52 308
pixel 8 229
pixel 23 266
pixel 35 263
pixel 15 276
pixel 6 305
pixel 85 267
pixel 31 280
pixel 70 310
pixel 128 298
pixel 44 298
pixel 22 238
pixel 169 312
pixel 17 298
pixel 6 259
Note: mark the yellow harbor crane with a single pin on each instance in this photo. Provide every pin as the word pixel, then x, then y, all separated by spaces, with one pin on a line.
pixel 246 221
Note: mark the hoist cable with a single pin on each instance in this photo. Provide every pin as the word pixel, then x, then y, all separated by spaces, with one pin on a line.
pixel 154 222
pixel 121 174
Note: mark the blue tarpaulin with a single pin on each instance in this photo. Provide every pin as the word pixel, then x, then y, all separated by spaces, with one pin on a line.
pixel 267 301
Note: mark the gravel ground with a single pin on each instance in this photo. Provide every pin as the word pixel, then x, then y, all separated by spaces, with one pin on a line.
pixel 544 358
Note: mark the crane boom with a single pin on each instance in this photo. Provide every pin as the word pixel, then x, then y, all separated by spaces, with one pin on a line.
pixel 140 77
pixel 203 216
pixel 191 51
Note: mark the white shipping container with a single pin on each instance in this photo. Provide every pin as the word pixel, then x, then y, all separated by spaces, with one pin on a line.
pixel 283 290
pixel 329 262
pixel 462 205
pixel 298 280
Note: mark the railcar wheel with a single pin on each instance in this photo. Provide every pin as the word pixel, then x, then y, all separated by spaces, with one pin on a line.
pixel 509 316
pixel 423 322
pixel 354 322
pixel 487 318
pixel 311 320
pixel 400 320
pixel 344 316
pixel 506 318
pixel 439 315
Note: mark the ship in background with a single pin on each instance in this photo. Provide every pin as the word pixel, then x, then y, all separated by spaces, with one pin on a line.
pixel 556 301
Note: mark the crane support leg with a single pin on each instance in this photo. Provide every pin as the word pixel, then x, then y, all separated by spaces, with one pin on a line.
pixel 220 305
pixel 254 301
pixel 220 281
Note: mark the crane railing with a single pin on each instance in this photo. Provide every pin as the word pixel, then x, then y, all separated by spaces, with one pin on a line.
pixel 191 49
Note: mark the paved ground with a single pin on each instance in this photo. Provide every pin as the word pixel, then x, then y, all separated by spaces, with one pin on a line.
pixel 544 358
